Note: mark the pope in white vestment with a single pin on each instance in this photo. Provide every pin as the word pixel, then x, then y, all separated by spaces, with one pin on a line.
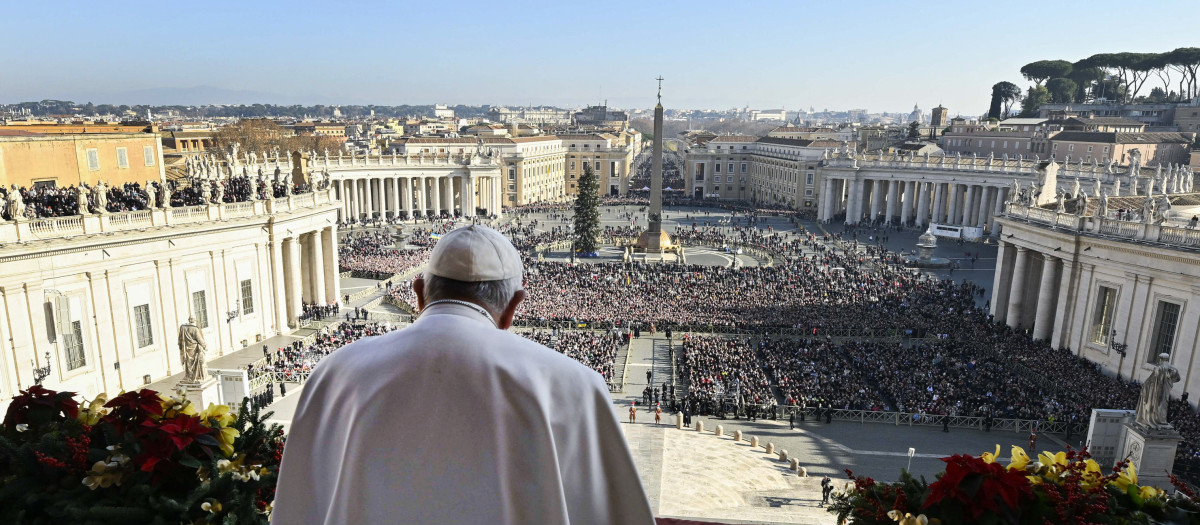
pixel 454 421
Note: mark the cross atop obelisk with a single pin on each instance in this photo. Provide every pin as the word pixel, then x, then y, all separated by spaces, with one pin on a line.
pixel 659 79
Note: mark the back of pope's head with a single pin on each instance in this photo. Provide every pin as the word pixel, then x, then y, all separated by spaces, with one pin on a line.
pixel 474 263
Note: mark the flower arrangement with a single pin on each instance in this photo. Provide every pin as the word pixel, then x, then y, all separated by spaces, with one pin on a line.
pixel 140 457
pixel 1059 488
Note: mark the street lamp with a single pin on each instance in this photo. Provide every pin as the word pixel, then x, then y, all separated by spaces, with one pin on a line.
pixel 41 373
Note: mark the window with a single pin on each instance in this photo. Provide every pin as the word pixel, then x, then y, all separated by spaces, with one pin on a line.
pixel 1102 315
pixel 148 155
pixel 200 309
pixel 122 158
pixel 718 165
pixel 512 174
pixel 73 341
pixel 141 319
pixel 1164 334
pixel 512 187
pixel 597 168
pixel 730 167
pixel 1089 149
pixel 1006 144
pixel 1070 147
pixel 247 297
pixel 572 164
pixel 93 159
pixel 808 179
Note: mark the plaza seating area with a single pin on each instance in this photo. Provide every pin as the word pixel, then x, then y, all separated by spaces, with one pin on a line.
pixel 596 349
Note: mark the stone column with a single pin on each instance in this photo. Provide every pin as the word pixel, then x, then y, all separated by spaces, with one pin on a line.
pixel 398 196
pixel 406 198
pixel 420 196
pixel 922 189
pixel 968 206
pixel 435 195
pixel 1046 300
pixel 279 286
pixel 448 197
pixel 906 207
pixel 351 197
pixel 329 248
pixel 291 264
pixel 498 194
pixel 1065 303
pixel 954 211
pixel 854 207
pixel 316 269
pixel 389 196
pixel 468 195
pixel 1017 291
pixel 939 199
pixel 826 202
pixel 893 196
pixel 985 206
pixel 1001 282
pixel 876 200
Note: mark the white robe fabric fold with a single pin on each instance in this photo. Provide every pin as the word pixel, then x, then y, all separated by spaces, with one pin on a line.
pixel 451 421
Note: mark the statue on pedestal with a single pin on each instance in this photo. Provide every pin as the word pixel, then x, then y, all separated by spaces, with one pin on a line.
pixel 1156 392
pixel 81 200
pixel 151 196
pixel 100 192
pixel 16 204
pixel 192 351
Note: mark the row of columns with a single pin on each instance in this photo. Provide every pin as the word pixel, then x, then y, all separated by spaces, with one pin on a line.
pixel 1027 289
pixel 912 202
pixel 411 196
pixel 305 272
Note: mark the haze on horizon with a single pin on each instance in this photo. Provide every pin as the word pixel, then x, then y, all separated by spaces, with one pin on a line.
pixel 878 55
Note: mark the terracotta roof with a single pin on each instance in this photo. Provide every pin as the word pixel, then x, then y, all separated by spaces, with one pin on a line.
pixel 542 138
pixel 734 138
pixel 436 140
pixel 1110 137
pixel 785 142
pixel 18 133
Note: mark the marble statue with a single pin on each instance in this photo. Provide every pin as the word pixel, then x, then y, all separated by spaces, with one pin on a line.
pixel 100 193
pixel 1096 187
pixel 1062 202
pixel 219 192
pixel 1016 189
pixel 82 201
pixel 193 351
pixel 1163 207
pixel 1148 209
pixel 1075 189
pixel 1117 188
pixel 1134 185
pixel 151 196
pixel 16 204
pixel 1155 394
pixel 1135 160
pixel 1102 207
pixel 1081 205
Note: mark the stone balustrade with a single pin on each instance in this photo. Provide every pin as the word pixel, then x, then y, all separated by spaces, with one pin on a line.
pixel 1166 233
pixel 64 227
pixel 1012 166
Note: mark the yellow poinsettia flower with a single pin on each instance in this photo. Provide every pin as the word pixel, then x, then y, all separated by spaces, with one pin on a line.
pixel 1126 477
pixel 90 413
pixel 990 457
pixel 1149 492
pixel 225 437
pixel 221 413
pixel 907 518
pixel 1091 473
pixel 1053 460
pixel 1019 459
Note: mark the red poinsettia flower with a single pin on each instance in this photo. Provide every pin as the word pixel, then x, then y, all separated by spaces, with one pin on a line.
pixel 132 408
pixel 38 405
pixel 182 430
pixel 978 486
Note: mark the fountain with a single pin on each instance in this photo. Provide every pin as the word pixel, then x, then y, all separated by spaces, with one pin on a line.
pixel 926 243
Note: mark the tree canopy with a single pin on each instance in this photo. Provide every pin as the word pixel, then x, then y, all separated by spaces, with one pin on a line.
pixel 587 212
pixel 1043 70
pixel 1123 77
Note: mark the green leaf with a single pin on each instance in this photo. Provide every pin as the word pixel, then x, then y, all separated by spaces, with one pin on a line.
pixel 189 461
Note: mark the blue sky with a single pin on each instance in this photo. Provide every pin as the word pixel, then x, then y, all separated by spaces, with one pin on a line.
pixel 880 55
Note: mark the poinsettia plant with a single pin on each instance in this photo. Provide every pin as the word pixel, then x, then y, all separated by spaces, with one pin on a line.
pixel 1061 488
pixel 140 457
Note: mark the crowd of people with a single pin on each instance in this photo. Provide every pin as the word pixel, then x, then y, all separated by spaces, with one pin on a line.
pixel 293 363
pixel 596 349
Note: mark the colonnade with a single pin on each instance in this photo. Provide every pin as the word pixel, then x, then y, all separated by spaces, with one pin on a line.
pixel 1027 288
pixel 921 203
pixel 305 272
pixel 409 196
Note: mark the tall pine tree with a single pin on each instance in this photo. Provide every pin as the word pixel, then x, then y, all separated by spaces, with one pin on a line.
pixel 587 212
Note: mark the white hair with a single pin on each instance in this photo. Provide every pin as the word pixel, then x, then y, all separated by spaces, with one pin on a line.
pixel 494 295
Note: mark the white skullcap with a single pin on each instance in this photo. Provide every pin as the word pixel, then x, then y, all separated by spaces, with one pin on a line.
pixel 473 254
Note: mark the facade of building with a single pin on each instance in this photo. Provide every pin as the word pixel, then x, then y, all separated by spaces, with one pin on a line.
pixel 533 169
pixel 61 160
pixel 1116 292
pixel 768 169
pixel 1012 137
pixel 103 303
pixel 1156 116
pixel 941 117
pixel 1161 147
pixel 601 117
pixel 531 115
pixel 609 155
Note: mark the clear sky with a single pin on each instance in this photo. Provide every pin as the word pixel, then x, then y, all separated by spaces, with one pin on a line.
pixel 879 55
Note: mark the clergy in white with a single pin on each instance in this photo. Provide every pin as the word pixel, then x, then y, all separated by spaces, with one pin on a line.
pixel 455 420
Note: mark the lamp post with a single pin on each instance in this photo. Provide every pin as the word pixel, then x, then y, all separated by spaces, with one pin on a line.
pixel 41 373
pixel 1119 348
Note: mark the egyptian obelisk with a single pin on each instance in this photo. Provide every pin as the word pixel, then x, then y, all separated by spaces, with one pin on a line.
pixel 653 233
